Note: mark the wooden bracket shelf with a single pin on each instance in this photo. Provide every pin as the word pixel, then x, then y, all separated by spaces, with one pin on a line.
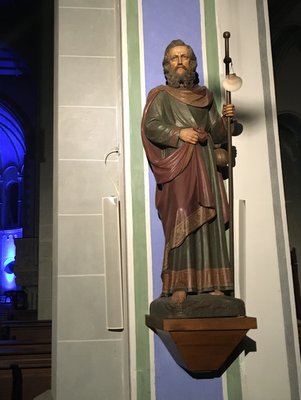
pixel 202 345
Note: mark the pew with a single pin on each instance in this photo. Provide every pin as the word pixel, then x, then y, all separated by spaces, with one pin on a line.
pixel 25 369
pixel 25 359
pixel 38 331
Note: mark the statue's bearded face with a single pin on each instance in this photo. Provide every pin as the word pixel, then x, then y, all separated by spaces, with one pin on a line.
pixel 179 59
pixel 179 68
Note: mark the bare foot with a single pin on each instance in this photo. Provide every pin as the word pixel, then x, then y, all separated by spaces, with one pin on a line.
pixel 178 297
pixel 217 293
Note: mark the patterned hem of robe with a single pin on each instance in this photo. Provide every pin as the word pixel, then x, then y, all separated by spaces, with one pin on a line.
pixel 197 281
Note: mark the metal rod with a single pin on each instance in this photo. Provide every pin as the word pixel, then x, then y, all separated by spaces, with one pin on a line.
pixel 227 61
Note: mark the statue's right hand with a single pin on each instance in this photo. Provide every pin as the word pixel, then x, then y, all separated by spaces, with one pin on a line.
pixel 189 135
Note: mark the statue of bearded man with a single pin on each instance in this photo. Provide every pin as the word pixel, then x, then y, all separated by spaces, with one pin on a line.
pixel 180 128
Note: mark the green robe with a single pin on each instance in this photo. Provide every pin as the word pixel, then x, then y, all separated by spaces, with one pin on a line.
pixel 190 195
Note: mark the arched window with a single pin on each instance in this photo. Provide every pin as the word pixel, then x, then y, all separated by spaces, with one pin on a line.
pixel 12 151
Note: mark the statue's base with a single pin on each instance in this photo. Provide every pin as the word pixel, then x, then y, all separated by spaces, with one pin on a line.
pixel 205 333
pixel 202 345
pixel 198 306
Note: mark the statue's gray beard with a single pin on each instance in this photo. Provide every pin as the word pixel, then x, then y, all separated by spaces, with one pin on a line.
pixel 187 79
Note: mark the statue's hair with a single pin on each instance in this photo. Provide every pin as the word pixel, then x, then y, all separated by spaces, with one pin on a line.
pixel 192 77
pixel 175 43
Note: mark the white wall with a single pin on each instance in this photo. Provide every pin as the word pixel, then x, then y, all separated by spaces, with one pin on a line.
pixel 273 371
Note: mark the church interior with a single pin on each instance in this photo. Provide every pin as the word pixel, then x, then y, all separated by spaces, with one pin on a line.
pixel 29 213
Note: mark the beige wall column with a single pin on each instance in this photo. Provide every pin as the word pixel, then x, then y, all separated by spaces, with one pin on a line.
pixel 89 361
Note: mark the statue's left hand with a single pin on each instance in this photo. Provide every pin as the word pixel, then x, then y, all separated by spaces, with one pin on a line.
pixel 228 110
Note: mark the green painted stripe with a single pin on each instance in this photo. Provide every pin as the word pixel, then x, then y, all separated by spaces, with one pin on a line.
pixel 234 381
pixel 138 199
pixel 233 373
pixel 212 50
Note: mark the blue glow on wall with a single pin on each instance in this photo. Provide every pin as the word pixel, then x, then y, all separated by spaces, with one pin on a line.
pixel 7 245
pixel 9 280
